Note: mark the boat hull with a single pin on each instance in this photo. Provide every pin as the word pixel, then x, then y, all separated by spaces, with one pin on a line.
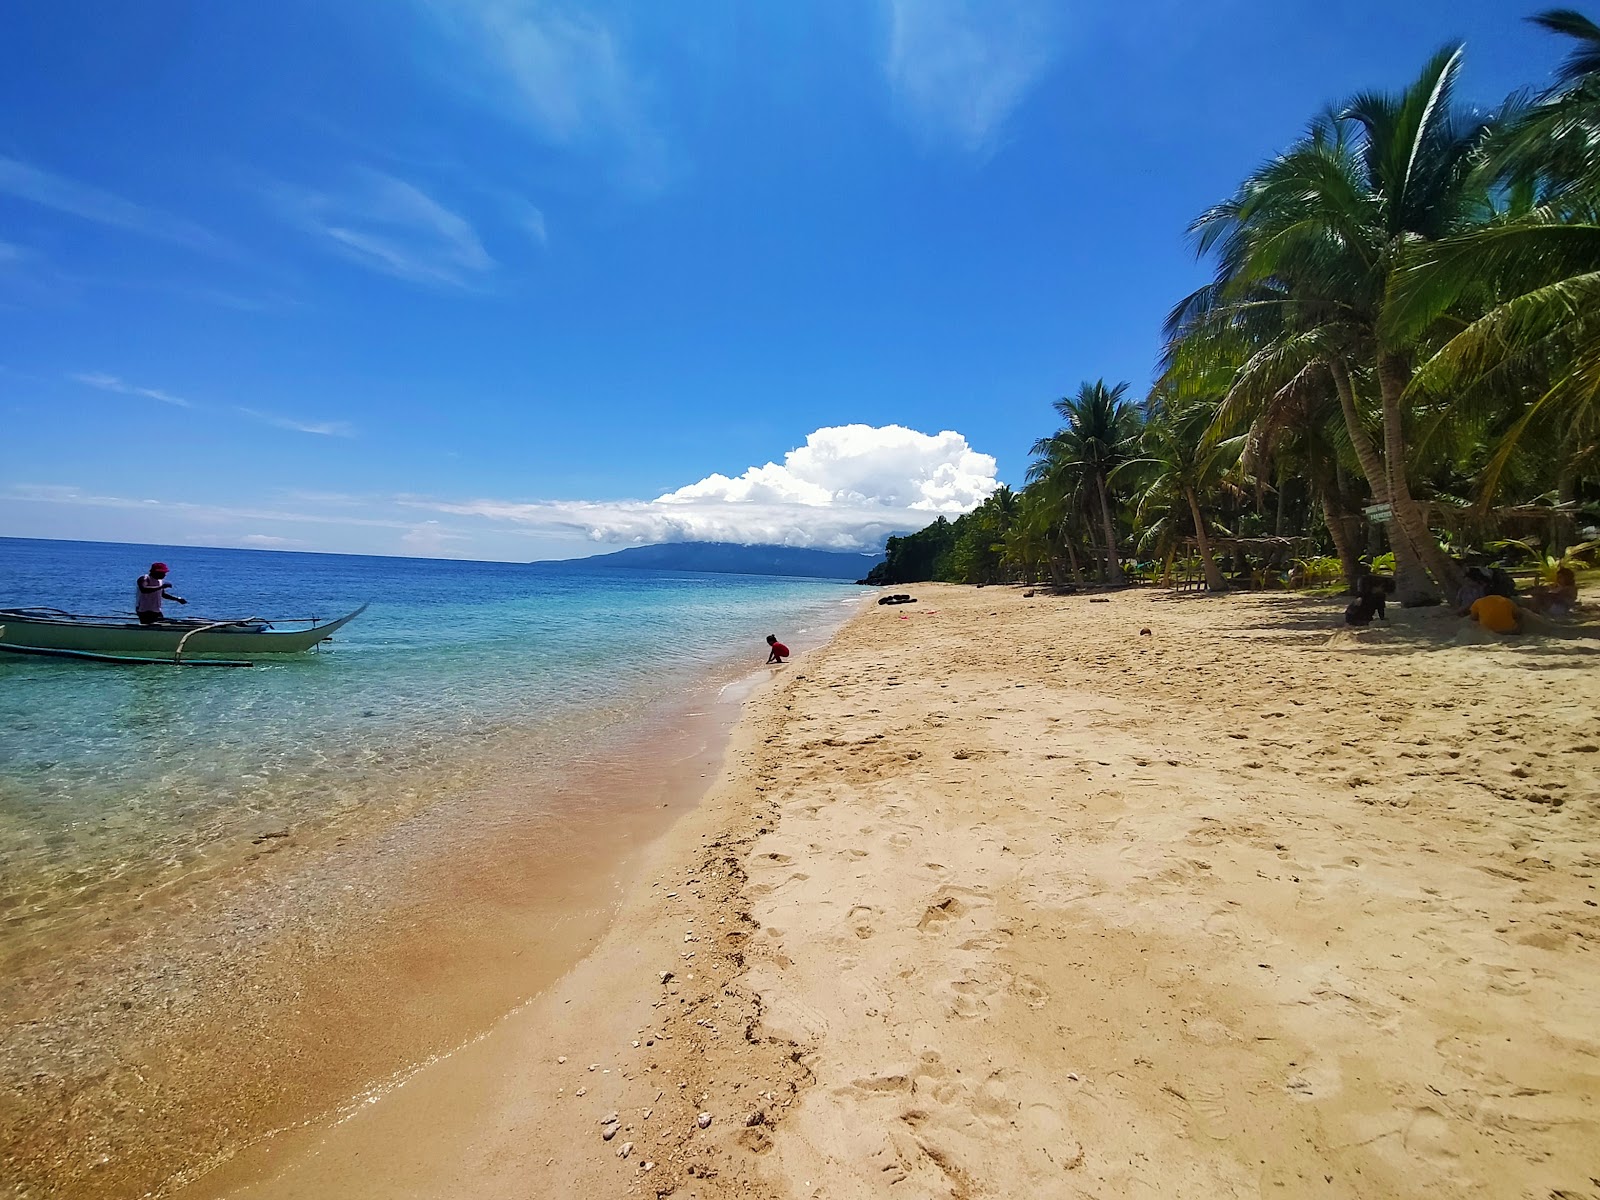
pixel 161 640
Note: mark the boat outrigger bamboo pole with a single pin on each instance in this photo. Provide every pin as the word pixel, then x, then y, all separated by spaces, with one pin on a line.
pixel 177 654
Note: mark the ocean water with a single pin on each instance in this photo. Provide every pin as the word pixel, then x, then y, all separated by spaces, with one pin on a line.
pixel 133 773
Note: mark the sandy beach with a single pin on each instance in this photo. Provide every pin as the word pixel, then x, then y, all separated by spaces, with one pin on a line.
pixel 1004 896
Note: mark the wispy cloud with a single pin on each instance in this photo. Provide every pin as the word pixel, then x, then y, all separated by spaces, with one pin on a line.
pixel 560 70
pixel 388 225
pixel 271 541
pixel 322 428
pixel 430 539
pixel 70 494
pixel 960 67
pixel 531 221
pixel 111 383
pixel 49 190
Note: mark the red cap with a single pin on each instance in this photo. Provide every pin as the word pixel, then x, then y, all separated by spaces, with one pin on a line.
pixel 158 568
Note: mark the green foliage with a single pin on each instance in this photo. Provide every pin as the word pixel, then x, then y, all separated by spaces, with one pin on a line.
pixel 1404 311
pixel 1528 553
pixel 1319 570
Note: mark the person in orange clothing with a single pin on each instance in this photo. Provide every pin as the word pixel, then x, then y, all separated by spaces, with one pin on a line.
pixel 1497 614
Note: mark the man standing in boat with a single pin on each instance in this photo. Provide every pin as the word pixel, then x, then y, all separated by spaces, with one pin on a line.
pixel 153 589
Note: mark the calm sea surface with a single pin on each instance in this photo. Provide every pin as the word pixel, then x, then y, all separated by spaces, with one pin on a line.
pixel 108 771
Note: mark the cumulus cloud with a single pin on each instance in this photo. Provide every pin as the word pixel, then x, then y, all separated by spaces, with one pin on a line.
pixel 848 488
pixel 958 67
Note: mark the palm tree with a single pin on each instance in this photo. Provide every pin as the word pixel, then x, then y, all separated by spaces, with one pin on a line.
pixel 1280 388
pixel 1100 432
pixel 1317 234
pixel 1027 537
pixel 1188 464
pixel 1544 263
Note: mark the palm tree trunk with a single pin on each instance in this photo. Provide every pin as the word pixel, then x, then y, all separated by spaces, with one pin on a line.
pixel 1564 529
pixel 1213 573
pixel 1333 515
pixel 1072 554
pixel 1393 376
pixel 1113 566
pixel 1408 572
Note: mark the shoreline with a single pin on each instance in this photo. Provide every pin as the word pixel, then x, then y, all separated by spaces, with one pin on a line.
pixel 1001 897
pixel 326 964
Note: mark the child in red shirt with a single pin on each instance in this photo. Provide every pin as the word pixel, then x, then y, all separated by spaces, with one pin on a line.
pixel 779 650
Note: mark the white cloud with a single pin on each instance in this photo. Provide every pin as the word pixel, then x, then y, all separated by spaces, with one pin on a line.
pixel 959 67
pixel 269 541
pixel 48 190
pixel 321 428
pixel 532 221
pixel 394 227
pixel 110 383
pixel 558 69
pixel 71 495
pixel 847 488
pixel 431 540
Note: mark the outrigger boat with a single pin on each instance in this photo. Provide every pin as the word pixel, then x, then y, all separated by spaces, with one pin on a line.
pixel 51 632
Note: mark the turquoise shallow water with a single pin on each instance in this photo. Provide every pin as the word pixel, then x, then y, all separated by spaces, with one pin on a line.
pixel 116 770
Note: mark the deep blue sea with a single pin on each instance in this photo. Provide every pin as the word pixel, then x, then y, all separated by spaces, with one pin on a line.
pixel 106 770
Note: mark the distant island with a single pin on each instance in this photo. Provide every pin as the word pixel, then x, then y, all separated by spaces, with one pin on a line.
pixel 730 558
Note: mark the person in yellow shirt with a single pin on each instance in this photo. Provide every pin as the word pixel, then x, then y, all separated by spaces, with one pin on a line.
pixel 1497 614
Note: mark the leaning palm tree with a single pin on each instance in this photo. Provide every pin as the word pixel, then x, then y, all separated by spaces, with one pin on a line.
pixel 1544 262
pixel 1100 431
pixel 1281 385
pixel 1318 232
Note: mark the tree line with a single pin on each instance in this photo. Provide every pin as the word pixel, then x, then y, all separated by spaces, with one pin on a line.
pixel 1396 362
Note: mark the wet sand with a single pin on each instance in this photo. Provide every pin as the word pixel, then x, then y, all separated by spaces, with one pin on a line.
pixel 999 896
pixel 306 971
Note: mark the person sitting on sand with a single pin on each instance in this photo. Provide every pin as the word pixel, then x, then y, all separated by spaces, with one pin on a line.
pixel 1371 593
pixel 1497 614
pixel 1557 599
pixel 779 651
pixel 1473 588
pixel 152 590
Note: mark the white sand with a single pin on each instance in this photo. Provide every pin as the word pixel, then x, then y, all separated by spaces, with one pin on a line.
pixel 1007 900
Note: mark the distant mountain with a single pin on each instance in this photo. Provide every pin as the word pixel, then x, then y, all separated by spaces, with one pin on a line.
pixel 728 558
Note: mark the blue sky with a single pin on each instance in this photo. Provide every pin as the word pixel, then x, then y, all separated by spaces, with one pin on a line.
pixel 490 278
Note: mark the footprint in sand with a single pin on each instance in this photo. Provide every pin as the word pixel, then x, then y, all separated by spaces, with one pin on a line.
pixel 860 920
pixel 971 999
pixel 1209 1105
pixel 1429 1136
pixel 941 912
pixel 1033 992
